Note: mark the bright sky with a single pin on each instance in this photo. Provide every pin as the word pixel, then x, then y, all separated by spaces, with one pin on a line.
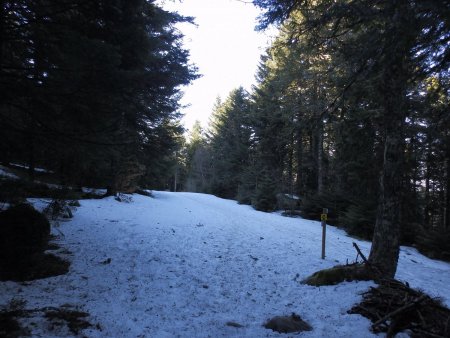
pixel 225 47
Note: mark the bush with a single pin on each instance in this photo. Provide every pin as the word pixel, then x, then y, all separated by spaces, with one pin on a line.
pixel 57 209
pixel 23 233
pixel 264 199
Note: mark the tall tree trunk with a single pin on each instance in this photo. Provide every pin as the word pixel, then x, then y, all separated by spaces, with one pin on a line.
pixel 2 32
pixel 320 169
pixel 300 183
pixel 31 154
pixel 290 182
pixel 427 191
pixel 446 221
pixel 112 187
pixel 385 244
pixel 5 153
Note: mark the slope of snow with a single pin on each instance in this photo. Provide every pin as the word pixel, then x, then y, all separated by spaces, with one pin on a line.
pixel 5 172
pixel 39 170
pixel 184 265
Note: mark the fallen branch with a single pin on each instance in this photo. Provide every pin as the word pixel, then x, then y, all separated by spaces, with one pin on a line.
pixel 394 307
pixel 399 310
pixel 374 269
pixel 360 253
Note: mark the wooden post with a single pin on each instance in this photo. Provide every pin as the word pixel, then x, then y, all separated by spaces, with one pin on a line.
pixel 323 218
pixel 176 173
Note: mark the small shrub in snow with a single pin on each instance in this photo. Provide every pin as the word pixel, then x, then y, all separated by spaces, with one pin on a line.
pixel 59 209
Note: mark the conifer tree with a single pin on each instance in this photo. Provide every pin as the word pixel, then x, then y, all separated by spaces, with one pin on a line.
pixel 95 84
pixel 198 161
pixel 380 42
pixel 229 138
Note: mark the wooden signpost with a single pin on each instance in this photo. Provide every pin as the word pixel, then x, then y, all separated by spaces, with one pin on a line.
pixel 323 218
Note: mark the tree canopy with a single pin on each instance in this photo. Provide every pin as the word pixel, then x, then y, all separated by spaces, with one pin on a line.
pixel 91 89
pixel 349 113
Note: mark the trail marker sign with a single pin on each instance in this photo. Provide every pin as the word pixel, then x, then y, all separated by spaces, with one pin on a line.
pixel 323 218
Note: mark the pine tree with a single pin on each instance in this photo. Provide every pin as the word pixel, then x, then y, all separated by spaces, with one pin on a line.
pixel 380 43
pixel 229 139
pixel 92 83
pixel 198 161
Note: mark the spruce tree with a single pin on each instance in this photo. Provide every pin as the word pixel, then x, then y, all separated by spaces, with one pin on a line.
pixel 91 85
pixel 229 138
pixel 388 38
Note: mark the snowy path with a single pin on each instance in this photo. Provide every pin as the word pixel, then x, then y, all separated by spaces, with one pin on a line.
pixel 183 265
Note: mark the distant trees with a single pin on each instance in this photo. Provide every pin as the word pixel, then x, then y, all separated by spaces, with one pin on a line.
pixel 198 161
pixel 394 46
pixel 90 89
pixel 230 143
pixel 350 113
pixel 217 158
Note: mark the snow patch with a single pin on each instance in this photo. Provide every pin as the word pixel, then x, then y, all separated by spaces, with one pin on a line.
pixel 147 269
pixel 4 172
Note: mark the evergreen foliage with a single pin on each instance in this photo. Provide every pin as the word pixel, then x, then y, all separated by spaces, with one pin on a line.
pixel 359 218
pixel 88 85
pixel 264 196
pixel 198 162
pixel 229 140
pixel 435 243
pixel 350 112
pixel 383 52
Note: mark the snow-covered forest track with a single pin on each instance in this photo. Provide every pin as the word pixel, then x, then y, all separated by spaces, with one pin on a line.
pixel 185 265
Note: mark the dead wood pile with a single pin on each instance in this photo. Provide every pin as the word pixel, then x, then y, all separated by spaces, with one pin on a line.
pixel 394 307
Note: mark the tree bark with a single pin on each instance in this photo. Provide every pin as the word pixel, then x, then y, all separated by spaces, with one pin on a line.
pixel 320 170
pixel 31 155
pixel 2 32
pixel 427 192
pixel 300 183
pixel 446 220
pixel 385 244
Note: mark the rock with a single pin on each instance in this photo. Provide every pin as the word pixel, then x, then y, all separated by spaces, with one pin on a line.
pixel 23 232
pixel 288 324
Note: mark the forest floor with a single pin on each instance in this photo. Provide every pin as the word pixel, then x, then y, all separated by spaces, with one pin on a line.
pixel 194 265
